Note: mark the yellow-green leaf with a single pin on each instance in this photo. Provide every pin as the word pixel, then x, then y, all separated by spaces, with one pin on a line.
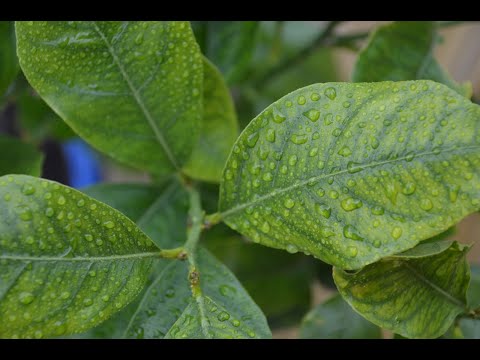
pixel 352 173
pixel 131 89
pixel 416 298
pixel 67 262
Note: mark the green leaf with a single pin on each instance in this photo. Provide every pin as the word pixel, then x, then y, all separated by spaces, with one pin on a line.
pixel 351 173
pixel 8 57
pixel 403 50
pixel 39 121
pixel 425 249
pixel 416 298
pixel 67 261
pixel 160 211
pixel 470 328
pixel 19 158
pixel 230 45
pixel 117 83
pixel 335 319
pixel 224 310
pixel 473 294
pixel 278 282
pixel 219 128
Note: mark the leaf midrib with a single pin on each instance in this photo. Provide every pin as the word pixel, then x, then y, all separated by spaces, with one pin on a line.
pixel 240 207
pixel 81 258
pixel 136 95
pixel 435 287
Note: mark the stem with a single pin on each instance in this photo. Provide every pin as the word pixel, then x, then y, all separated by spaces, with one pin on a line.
pixel 177 253
pixel 196 217
pixel 211 220
pixel 298 57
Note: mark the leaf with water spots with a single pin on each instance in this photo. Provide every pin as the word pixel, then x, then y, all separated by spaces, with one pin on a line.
pixel 223 310
pixel 18 157
pixel 355 172
pixel 403 50
pixel 219 128
pixel 335 319
pixel 67 261
pixel 416 298
pixel 117 83
pixel 159 211
pixel 8 57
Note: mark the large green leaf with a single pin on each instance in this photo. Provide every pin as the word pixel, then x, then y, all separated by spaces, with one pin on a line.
pixel 225 309
pixel 160 211
pixel 403 50
pixel 18 157
pixel 230 45
pixel 67 261
pixel 416 298
pixel 117 83
pixel 278 282
pixel 351 173
pixel 219 128
pixel 8 57
pixel 335 319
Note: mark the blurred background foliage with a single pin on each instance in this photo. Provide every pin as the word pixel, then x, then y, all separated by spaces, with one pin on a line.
pixel 261 62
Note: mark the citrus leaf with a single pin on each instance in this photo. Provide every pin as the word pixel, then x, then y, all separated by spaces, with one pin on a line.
pixel 230 45
pixel 416 298
pixel 351 173
pixel 19 158
pixel 67 261
pixel 403 50
pixel 169 310
pixel 335 319
pixel 116 83
pixel 160 211
pixel 219 128
pixel 8 57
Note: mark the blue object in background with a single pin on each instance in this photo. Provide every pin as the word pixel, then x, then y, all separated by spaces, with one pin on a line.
pixel 83 166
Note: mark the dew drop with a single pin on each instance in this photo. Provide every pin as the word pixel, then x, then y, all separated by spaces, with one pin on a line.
pixel 377 210
pixel 26 297
pixel 396 232
pixel 109 224
pixel 270 135
pixel 265 227
pixel 26 214
pixel 293 160
pixel 61 200
pixel 88 237
pixel 352 251
pixel 350 204
pixel 252 140
pixel 301 100
pixel 87 302
pixel 426 204
pixel 351 233
pixel 292 249
pixel 28 189
pixel 223 316
pixel 315 97
pixel 279 118
pixel 80 203
pixel 299 139
pixel 374 142
pixel 409 188
pixel 324 210
pixel 333 194
pixel 345 151
pixel 289 203
pixel 64 295
pixel 330 93
pixel 7 197
pixel 312 114
pixel 453 193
